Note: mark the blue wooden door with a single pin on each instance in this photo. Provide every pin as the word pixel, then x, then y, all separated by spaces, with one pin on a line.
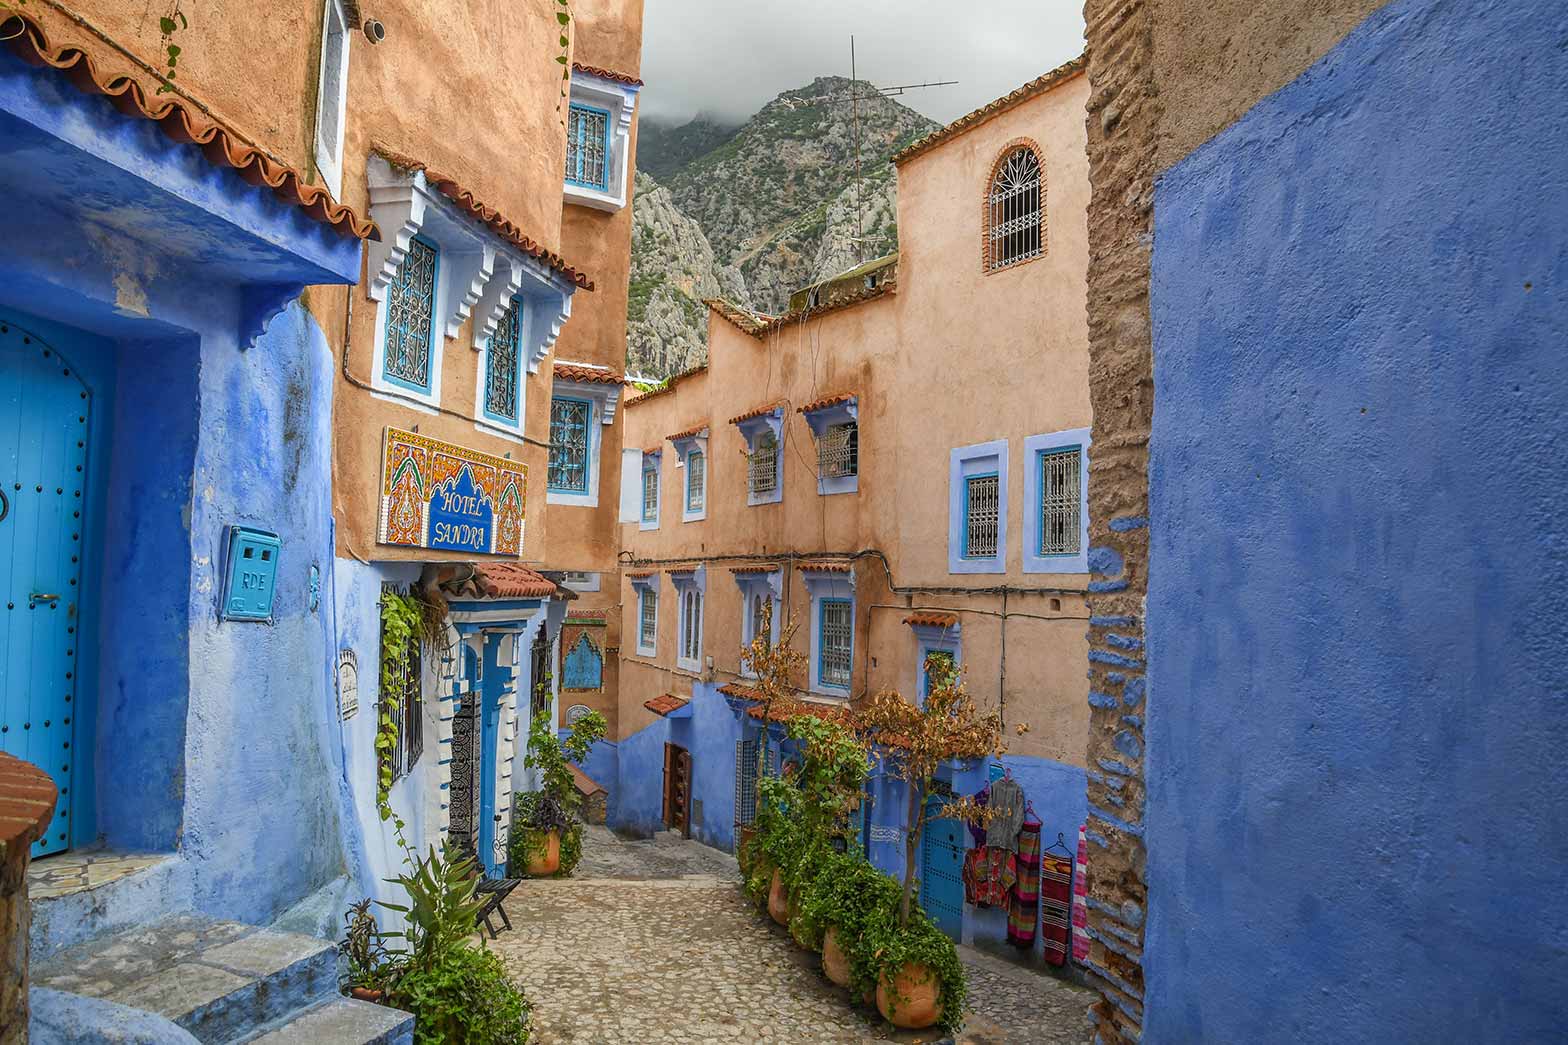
pixel 497 679
pixel 44 410
pixel 941 871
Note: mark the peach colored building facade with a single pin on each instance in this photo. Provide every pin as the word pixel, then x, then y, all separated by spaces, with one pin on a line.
pixel 952 370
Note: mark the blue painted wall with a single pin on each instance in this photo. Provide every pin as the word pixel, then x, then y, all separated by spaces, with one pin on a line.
pixel 1358 797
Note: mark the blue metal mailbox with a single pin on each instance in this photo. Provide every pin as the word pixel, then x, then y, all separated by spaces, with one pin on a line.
pixel 252 574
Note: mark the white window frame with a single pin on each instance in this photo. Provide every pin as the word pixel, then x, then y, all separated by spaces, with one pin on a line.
pixel 1034 448
pixel 964 462
pixel 332 94
pixel 478 274
pixel 619 100
pixel 690 591
pixel 646 588
pixel 824 419
pixel 651 461
pixel 759 585
pixel 605 398
pixel 684 448
pixel 750 430
pixel 823 585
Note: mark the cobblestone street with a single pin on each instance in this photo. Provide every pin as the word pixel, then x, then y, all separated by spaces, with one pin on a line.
pixel 653 941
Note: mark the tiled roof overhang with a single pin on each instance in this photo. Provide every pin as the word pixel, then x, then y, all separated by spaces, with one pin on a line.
pixel 749 322
pixel 222 145
pixel 759 568
pixel 826 401
pixel 594 375
pixel 665 704
pixel 931 620
pixel 487 216
pixel 1061 74
pixel 690 433
pixel 825 567
pixel 509 580
pixel 606 74
pixel 758 412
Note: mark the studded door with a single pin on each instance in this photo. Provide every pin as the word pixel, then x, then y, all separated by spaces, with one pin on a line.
pixel 941 873
pixel 44 411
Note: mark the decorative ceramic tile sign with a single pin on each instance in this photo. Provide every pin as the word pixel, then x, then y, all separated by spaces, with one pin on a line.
pixel 440 495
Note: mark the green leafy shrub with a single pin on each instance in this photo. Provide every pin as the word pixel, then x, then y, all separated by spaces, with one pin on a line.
pixel 891 944
pixel 465 996
pixel 555 806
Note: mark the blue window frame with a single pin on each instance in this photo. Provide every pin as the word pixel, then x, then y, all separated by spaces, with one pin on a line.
pixel 1056 494
pixel 583 666
pixel 650 491
pixel 945 660
pixel 835 642
pixel 503 357
pixel 696 481
pixel 410 322
pixel 588 147
pixel 571 430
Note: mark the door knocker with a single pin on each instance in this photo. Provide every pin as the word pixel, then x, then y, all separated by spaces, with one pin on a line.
pixel 5 506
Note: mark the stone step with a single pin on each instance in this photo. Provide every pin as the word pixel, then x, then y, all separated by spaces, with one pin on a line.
pixel 221 981
pixel 344 1020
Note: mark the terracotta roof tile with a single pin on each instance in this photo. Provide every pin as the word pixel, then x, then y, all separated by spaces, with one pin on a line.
pixel 585 784
pixel 735 689
pixel 222 145
pixel 758 412
pixel 642 576
pixel 589 374
pixel 825 567
pixel 927 619
pixel 510 580
pixel 749 322
pixel 826 401
pixel 487 216
pixel 1039 85
pixel 665 703
pixel 594 70
pixel 701 429
pixel 657 448
pixel 756 568
pixel 587 615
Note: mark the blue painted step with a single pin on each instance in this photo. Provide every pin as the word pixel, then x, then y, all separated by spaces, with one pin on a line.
pixel 341 1020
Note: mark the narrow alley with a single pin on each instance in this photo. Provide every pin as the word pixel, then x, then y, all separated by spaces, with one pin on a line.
pixel 653 941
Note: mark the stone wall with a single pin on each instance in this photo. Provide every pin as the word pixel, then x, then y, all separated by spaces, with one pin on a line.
pixel 1122 123
pixel 27 798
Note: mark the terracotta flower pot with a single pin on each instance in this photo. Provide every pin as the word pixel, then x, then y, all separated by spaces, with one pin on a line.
pixel 742 840
pixel 911 998
pixel 778 899
pixel 374 994
pixel 545 860
pixel 835 963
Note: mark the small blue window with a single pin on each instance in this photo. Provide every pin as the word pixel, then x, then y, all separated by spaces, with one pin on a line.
pixel 583 667
pixel 570 432
pixel 588 147
pixel 982 515
pixel 501 366
pixel 835 643
pixel 650 489
pixel 935 664
pixel 411 304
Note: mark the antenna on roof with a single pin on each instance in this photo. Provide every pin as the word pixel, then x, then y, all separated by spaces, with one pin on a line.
pixel 859 239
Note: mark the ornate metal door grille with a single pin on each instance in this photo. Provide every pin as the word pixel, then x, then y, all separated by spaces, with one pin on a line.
pixel 981 493
pixel 836 641
pixel 464 825
pixel 1015 210
pixel 696 480
pixel 410 306
pixel 838 452
pixel 1061 509
pixel 763 468
pixel 569 445
pixel 501 365
pixel 541 673
pixel 586 153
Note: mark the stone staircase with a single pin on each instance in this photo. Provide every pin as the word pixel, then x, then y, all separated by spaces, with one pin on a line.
pixel 225 982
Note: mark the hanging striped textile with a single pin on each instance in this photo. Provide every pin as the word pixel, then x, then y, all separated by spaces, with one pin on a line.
pixel 1056 887
pixel 1023 903
pixel 1081 901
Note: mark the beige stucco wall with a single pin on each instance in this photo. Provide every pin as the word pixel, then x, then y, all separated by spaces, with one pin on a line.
pixel 952 357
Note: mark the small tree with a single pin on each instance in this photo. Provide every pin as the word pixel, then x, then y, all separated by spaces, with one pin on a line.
pixel 774 664
pixel 917 740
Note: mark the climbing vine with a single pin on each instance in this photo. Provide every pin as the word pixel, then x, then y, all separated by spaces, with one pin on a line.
pixel 564 17
pixel 168 25
pixel 402 618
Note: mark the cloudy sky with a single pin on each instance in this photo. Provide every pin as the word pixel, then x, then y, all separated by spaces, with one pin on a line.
pixel 729 57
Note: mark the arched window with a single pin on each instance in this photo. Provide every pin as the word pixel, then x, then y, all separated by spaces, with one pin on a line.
pixel 1015 210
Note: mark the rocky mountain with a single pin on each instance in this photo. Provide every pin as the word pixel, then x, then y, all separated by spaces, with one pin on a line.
pixel 663 149
pixel 774 203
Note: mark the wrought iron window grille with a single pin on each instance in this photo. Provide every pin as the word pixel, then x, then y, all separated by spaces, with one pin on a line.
pixel 410 308
pixel 1061 505
pixel 838 451
pixel 569 435
pixel 836 641
pixel 981 515
pixel 501 359
pixel 1015 211
pixel 587 148
pixel 762 471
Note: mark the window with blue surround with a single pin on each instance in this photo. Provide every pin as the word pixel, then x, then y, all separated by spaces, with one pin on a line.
pixel 764 435
pixel 836 426
pixel 935 666
pixel 977 508
pixel 503 358
pixel 690 586
pixel 696 481
pixel 832 592
pixel 583 666
pixel 650 491
pixel 1056 502
pixel 647 624
pixel 588 147
pixel 938 650
pixel 571 436
pixel 691 450
pixel 410 323
pixel 759 596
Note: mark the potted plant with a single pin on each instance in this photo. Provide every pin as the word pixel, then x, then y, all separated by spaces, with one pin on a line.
pixel 546 834
pixel 365 951
pixel 920 981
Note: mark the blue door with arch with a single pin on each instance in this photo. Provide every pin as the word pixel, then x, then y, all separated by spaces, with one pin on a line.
pixel 46 409
pixel 942 847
